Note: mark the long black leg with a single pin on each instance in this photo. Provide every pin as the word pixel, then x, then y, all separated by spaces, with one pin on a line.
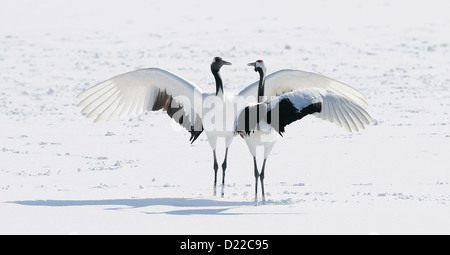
pixel 216 167
pixel 256 181
pixel 261 176
pixel 224 167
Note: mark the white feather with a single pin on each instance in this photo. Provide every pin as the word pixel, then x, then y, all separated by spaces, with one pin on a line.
pixel 336 108
pixel 342 111
pixel 288 80
pixel 133 93
pixel 100 103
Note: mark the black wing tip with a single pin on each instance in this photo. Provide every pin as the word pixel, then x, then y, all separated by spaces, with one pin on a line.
pixel 195 135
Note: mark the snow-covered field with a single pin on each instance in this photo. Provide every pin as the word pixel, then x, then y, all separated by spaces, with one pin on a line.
pixel 61 174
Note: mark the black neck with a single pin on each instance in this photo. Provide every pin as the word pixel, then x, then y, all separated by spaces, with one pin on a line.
pixel 219 84
pixel 262 82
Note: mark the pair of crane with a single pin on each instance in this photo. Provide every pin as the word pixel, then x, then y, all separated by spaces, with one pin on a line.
pixel 259 113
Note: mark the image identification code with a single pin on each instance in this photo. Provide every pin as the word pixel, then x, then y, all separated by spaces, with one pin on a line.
pixel 240 244
pixel 246 244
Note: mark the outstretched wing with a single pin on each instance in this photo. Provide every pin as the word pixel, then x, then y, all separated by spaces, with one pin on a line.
pixel 143 90
pixel 293 106
pixel 284 81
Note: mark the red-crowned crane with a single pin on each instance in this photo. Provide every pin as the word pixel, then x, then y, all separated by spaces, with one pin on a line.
pixel 154 89
pixel 287 96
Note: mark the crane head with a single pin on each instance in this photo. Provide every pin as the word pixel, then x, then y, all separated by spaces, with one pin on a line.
pixel 258 65
pixel 217 63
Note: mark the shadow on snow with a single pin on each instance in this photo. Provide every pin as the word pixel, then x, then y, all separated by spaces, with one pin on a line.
pixel 196 206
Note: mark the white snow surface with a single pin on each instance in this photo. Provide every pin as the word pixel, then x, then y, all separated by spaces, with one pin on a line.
pixel 62 174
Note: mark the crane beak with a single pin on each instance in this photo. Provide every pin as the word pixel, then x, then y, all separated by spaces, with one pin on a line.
pixel 254 65
pixel 226 63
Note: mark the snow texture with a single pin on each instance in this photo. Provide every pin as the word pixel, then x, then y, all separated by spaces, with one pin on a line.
pixel 62 174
